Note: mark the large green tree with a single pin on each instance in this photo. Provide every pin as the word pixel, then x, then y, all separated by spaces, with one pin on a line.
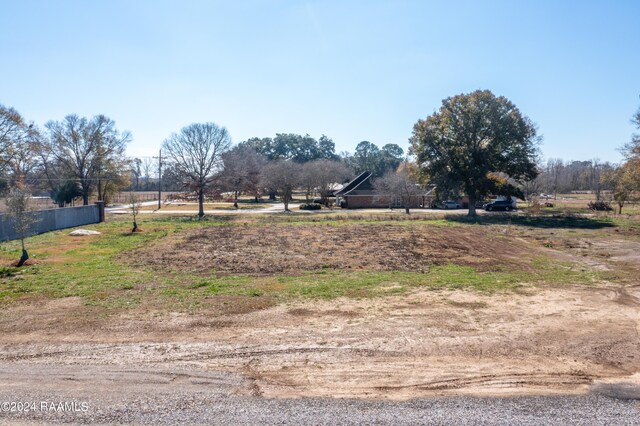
pixel 290 146
pixel 366 158
pixel 470 139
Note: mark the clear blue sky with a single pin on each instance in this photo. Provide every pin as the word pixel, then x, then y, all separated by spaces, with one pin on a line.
pixel 353 70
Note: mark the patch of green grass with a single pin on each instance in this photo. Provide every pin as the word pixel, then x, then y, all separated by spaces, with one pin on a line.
pixel 90 267
pixel 86 268
pixel 330 284
pixel 8 271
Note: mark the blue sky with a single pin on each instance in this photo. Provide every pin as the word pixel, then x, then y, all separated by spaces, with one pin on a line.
pixel 353 70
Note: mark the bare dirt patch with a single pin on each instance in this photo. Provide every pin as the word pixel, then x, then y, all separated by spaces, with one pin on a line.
pixel 404 346
pixel 286 248
pixel 616 249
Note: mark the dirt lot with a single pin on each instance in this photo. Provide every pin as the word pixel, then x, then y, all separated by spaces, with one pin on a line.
pixel 287 248
pixel 536 339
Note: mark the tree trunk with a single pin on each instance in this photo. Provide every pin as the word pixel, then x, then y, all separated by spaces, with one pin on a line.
pixel 620 208
pixel 406 209
pixel 256 198
pixel 135 227
pixel 472 206
pixel 200 203
pixel 285 198
pixel 24 256
pixel 85 198
pixel 235 200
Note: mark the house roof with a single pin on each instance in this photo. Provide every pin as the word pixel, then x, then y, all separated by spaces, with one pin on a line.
pixel 355 183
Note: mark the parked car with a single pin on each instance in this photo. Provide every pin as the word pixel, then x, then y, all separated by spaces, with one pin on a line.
pixel 506 205
pixel 449 204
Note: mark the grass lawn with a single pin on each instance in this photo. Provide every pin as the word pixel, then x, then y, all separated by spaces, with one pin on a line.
pixel 111 271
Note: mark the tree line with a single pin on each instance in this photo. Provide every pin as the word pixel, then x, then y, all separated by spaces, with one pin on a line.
pixel 71 158
pixel 619 183
pixel 203 157
pixel 81 158
pixel 476 144
pixel 625 179
pixel 559 177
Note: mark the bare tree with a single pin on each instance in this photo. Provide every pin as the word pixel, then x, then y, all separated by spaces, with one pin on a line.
pixel 282 176
pixel 322 175
pixel 12 127
pixel 18 146
pixel 196 152
pixel 87 149
pixel 242 166
pixel 308 179
pixel 531 188
pixel 400 186
pixel 149 167
pixel 23 163
pixel 136 172
pixel 19 210
pixel 554 170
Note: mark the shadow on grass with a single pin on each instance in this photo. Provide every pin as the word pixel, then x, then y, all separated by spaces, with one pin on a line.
pixel 554 221
pixel 190 219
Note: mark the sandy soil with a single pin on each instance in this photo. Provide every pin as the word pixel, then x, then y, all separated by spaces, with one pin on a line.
pixel 536 340
pixel 541 341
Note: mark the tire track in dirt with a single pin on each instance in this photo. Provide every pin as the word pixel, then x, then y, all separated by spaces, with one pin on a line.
pixel 493 380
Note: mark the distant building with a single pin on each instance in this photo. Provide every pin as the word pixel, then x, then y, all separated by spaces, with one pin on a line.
pixel 360 193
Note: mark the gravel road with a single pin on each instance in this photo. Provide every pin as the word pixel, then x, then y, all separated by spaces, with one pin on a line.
pixel 181 409
pixel 156 396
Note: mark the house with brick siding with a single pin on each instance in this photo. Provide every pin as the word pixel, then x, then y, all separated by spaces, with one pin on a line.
pixel 360 193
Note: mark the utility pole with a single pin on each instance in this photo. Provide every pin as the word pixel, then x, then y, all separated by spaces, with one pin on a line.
pixel 159 157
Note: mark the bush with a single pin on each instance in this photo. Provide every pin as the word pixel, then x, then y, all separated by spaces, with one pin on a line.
pixel 311 206
pixel 601 206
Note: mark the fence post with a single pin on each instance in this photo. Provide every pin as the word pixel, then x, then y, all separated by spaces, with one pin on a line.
pixel 100 205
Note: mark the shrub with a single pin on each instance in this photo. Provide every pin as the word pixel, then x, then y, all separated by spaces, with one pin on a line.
pixel 311 206
pixel 601 206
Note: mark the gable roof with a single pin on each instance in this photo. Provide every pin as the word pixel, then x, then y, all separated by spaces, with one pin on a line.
pixel 362 177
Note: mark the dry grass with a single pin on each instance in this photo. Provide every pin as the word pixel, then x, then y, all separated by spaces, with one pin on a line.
pixel 190 207
pixel 372 247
